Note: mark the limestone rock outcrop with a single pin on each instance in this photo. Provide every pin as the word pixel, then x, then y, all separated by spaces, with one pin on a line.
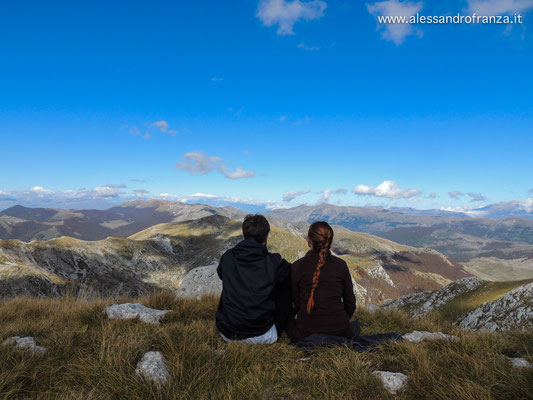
pixel 135 310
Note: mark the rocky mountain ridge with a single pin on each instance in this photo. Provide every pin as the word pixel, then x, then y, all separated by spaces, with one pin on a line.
pixel 160 256
pixel 475 304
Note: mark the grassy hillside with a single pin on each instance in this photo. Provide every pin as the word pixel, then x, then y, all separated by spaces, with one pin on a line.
pixel 90 357
pixel 161 255
pixel 488 291
pixel 216 233
pixel 497 269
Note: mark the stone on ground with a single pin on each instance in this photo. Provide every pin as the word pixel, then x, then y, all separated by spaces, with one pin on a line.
pixel 372 308
pixel 518 362
pixel 392 381
pixel 199 282
pixel 513 310
pixel 25 343
pixel 419 336
pixel 153 367
pixel 419 304
pixel 135 310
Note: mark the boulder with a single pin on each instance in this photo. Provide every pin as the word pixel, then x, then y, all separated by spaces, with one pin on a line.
pixel 153 367
pixel 199 282
pixel 135 310
pixel 513 310
pixel 419 304
pixel 518 362
pixel 419 336
pixel 25 343
pixel 372 308
pixel 392 381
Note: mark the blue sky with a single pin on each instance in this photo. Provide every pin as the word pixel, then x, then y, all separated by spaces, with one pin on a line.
pixel 263 102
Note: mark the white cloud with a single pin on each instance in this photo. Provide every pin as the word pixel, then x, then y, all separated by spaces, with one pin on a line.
pixel 395 33
pixel 239 172
pixel 388 189
pixel 530 191
pixel 432 195
pixel 217 79
pixel 157 125
pixel 284 117
pixel 221 200
pixel 476 196
pixel 499 7
pixel 40 191
pixel 99 192
pixel 286 13
pixel 39 196
pixel 105 191
pixel 292 194
pixel 456 194
pixel 526 205
pixel 141 192
pixel 326 194
pixel 198 163
pixel 306 47
pixel 305 120
pixel 465 210
pixel 161 125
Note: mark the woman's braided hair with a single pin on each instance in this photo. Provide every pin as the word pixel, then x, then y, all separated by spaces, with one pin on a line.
pixel 320 236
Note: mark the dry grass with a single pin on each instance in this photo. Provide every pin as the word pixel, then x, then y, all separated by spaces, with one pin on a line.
pixel 488 291
pixel 91 357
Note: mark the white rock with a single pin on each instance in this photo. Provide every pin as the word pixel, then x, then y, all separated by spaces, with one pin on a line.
pixel 514 309
pixel 135 310
pixel 392 381
pixel 153 367
pixel 419 336
pixel 26 343
pixel 361 294
pixel 419 304
pixel 378 272
pixel 199 282
pixel 372 308
pixel 518 362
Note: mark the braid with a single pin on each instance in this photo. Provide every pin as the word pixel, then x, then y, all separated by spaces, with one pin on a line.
pixel 323 253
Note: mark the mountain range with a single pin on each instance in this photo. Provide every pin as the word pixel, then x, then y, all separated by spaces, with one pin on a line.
pixel 491 248
pixel 29 224
pixel 161 255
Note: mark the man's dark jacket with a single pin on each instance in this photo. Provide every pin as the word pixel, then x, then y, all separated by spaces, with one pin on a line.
pixel 250 275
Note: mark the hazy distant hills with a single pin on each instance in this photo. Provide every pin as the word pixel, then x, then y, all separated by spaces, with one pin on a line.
pixel 379 221
pixel 28 224
pixel 460 237
pixel 500 249
pixel 506 209
pixel 518 208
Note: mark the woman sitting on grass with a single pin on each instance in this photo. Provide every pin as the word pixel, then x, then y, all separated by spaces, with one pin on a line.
pixel 322 289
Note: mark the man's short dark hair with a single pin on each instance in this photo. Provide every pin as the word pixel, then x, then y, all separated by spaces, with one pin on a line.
pixel 255 226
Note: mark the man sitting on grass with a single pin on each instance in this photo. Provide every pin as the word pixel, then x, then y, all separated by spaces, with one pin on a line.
pixel 256 301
